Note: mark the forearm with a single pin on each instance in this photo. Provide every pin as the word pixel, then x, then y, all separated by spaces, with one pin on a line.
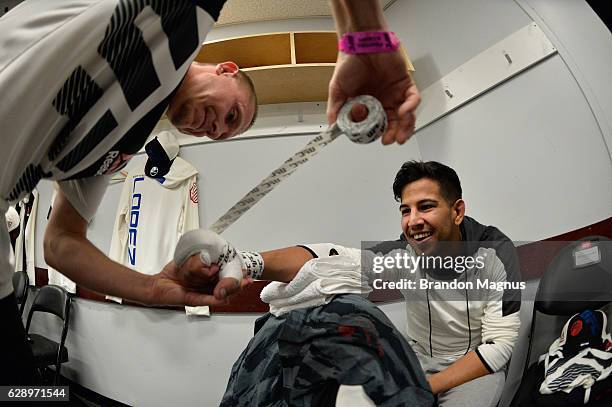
pixel 468 367
pixel 77 258
pixel 283 264
pixel 358 15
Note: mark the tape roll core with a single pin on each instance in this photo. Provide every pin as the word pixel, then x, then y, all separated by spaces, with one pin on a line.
pixel 367 130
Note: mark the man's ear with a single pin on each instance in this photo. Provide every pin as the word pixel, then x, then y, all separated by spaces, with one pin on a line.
pixel 227 67
pixel 459 211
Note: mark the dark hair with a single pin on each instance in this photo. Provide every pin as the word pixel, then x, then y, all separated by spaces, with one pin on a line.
pixel 446 177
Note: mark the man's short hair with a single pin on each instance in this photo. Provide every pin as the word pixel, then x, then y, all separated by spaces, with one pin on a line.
pixel 246 80
pixel 446 177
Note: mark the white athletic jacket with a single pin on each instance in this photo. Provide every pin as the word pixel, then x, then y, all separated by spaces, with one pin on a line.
pixel 448 323
pixel 152 215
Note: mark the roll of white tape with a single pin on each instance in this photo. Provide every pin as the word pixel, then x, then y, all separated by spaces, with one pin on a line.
pixel 367 130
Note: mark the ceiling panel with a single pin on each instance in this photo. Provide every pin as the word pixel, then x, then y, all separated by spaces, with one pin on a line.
pixel 245 11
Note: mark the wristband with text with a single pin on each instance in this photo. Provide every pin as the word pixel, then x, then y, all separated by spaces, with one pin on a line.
pixel 253 263
pixel 368 42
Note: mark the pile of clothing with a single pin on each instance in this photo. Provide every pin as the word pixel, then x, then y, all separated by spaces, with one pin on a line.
pixel 317 339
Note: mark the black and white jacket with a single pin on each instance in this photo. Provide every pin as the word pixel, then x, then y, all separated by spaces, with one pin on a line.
pixel 84 83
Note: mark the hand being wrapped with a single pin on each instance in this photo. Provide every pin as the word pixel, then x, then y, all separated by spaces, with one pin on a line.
pixel 206 270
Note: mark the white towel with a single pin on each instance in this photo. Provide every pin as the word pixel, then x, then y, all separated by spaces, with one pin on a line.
pixel 315 284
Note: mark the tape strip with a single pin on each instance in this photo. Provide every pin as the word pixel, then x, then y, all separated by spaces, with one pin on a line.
pixel 366 131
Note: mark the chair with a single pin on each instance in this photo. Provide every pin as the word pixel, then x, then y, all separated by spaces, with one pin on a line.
pixel 578 278
pixel 55 300
pixel 20 286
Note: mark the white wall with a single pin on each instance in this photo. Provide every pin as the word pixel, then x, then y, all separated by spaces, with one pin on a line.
pixel 531 155
pixel 440 35
pixel 528 147
pixel 586 52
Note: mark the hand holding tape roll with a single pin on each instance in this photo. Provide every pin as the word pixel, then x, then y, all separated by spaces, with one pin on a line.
pixel 363 132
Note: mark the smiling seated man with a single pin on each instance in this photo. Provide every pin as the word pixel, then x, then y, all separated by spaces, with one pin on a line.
pixel 463 337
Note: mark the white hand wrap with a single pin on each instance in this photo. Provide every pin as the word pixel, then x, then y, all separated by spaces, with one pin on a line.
pixel 253 264
pixel 213 249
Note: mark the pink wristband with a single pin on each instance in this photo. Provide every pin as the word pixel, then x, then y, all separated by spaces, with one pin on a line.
pixel 368 42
